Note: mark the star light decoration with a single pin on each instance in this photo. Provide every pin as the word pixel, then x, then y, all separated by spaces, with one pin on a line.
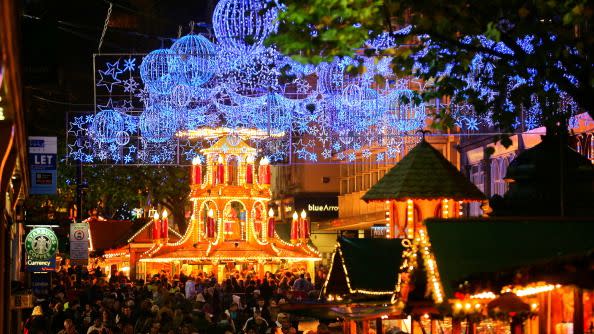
pixel 144 104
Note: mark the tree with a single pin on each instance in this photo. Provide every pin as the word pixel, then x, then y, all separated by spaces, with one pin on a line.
pixel 116 190
pixel 119 189
pixel 503 58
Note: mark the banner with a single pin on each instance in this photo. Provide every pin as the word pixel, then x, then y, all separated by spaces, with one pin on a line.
pixel 41 245
pixel 43 153
pixel 79 241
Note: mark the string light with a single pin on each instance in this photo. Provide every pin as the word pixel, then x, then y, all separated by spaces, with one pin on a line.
pixel 531 289
pixel 445 208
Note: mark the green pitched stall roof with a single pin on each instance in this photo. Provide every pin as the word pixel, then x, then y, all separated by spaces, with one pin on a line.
pixel 424 173
pixel 372 267
pixel 489 253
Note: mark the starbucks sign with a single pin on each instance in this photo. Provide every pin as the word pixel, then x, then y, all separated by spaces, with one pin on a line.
pixel 41 244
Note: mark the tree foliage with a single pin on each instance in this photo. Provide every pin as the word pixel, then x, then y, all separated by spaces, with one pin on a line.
pixel 116 190
pixel 500 57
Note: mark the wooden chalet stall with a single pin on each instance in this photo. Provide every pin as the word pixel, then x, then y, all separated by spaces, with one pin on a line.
pixel 548 264
pixel 117 244
pixel 424 184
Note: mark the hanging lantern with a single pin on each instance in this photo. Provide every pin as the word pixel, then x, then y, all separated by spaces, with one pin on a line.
pixel 106 126
pixel 243 25
pixel 156 73
pixel 192 58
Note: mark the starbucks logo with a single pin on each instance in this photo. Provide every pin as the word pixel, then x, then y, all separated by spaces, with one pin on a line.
pixel 41 243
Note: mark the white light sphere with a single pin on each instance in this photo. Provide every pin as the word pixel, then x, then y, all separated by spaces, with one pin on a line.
pixel 122 138
pixel 243 25
pixel 181 95
pixel 192 58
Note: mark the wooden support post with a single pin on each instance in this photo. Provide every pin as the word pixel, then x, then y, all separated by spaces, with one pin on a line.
pixel 379 329
pixel 578 311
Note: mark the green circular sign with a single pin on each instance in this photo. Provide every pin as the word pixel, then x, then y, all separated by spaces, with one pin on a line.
pixel 41 244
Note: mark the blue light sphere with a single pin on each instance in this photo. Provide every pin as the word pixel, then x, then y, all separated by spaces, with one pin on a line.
pixel 192 58
pixel 243 25
pixel 106 125
pixel 156 72
pixel 157 125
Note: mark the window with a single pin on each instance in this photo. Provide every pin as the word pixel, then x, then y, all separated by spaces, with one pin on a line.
pixel 477 176
pixel 498 170
pixel 344 186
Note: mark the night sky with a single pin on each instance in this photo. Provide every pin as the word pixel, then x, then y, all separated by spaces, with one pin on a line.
pixel 60 37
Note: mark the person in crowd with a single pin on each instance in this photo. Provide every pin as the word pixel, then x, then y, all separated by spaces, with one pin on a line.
pixel 37 323
pixel 69 327
pixel 257 324
pixel 84 300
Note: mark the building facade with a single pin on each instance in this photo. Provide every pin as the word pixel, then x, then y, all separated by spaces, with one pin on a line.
pixel 14 181
pixel 310 187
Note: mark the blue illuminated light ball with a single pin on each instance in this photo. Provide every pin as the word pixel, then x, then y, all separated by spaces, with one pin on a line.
pixel 155 71
pixel 106 125
pixel 243 25
pixel 192 58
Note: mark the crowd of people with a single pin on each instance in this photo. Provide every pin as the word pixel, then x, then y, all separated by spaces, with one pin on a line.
pixel 85 302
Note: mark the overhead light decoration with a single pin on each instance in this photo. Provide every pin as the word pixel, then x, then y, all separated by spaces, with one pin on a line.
pixel 158 108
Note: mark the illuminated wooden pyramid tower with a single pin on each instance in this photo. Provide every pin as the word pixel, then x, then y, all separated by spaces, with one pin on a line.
pixel 232 227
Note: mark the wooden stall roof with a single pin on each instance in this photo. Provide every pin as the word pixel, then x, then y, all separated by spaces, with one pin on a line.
pixel 372 266
pixel 424 173
pixel 488 253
